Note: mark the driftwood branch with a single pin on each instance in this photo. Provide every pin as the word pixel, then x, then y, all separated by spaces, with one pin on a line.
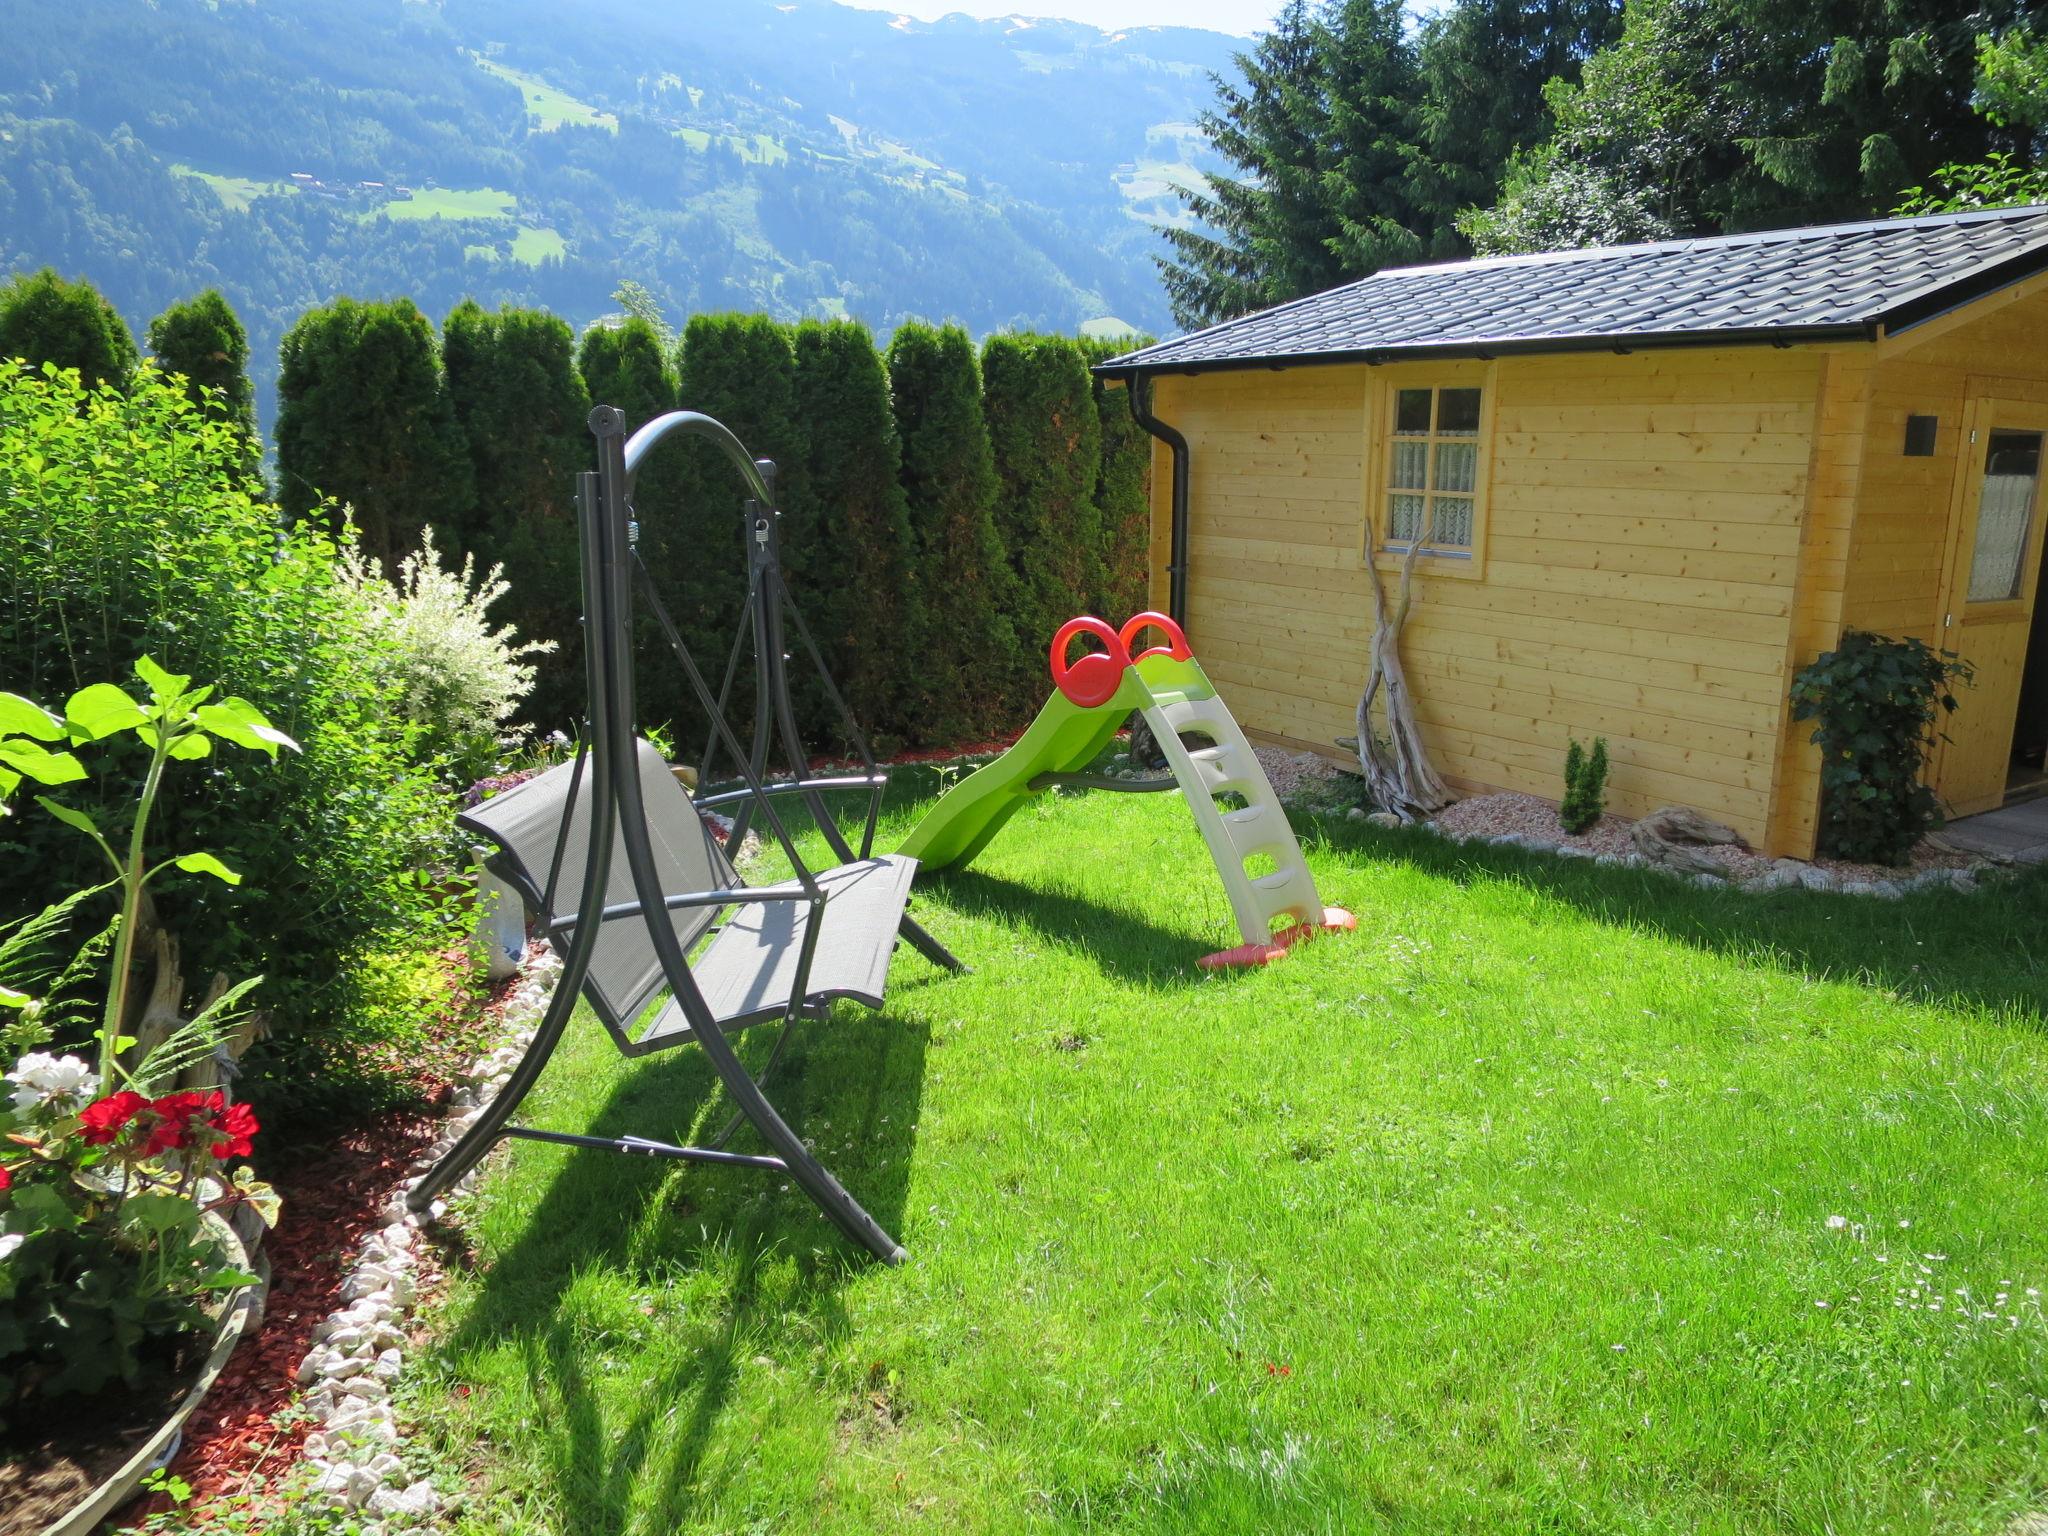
pixel 1398 772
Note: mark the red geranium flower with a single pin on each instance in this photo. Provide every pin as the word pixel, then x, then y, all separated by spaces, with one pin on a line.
pixel 174 1113
pixel 6 1177
pixel 238 1124
pixel 104 1120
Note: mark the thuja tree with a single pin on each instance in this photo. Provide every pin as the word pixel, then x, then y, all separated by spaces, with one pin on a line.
pixel 1047 442
pixel 624 363
pixel 739 369
pixel 45 318
pixel 364 420
pixel 1877 703
pixel 521 404
pixel 862 596
pixel 963 577
pixel 201 341
pixel 1123 490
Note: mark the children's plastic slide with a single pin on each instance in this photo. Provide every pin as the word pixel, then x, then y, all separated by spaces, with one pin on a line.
pixel 1271 891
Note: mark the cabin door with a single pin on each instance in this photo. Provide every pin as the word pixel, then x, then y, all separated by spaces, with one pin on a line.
pixel 1994 569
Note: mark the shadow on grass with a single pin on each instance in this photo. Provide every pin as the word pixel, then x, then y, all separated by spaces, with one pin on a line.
pixel 1122 943
pixel 853 1085
pixel 1988 949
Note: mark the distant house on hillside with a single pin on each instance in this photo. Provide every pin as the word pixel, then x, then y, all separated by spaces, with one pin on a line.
pixel 1659 479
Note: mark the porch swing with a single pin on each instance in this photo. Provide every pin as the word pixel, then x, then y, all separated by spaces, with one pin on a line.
pixel 612 833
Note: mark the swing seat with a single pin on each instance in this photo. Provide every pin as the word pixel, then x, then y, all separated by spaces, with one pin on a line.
pixel 747 968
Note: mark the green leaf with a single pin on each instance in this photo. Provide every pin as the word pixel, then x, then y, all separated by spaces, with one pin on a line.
pixel 9 998
pixel 98 711
pixel 259 1195
pixel 71 818
pixel 160 1214
pixel 41 764
pixel 189 749
pixel 163 685
pixel 235 719
pixel 207 864
pixel 20 717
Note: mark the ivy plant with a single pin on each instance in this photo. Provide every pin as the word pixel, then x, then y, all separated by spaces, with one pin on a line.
pixel 1878 702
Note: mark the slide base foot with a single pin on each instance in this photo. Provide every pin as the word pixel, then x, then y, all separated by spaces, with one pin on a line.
pixel 1244 956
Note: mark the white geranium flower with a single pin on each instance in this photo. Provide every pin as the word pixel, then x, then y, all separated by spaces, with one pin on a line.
pixel 9 1241
pixel 40 1077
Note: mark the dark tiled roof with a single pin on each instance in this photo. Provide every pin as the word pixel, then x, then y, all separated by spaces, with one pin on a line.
pixel 1772 285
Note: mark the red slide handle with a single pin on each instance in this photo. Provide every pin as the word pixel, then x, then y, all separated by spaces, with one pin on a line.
pixel 1176 642
pixel 1093 680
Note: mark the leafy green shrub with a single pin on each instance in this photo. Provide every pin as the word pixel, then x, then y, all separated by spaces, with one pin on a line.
pixel 1878 701
pixel 1585 786
pixel 129 530
pixel 442 662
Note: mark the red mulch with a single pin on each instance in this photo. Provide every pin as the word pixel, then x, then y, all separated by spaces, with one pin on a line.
pixel 334 1197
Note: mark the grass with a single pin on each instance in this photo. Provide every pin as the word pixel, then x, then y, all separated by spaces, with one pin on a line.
pixel 534 245
pixel 550 107
pixel 754 149
pixel 448 203
pixel 1509 1213
pixel 236 193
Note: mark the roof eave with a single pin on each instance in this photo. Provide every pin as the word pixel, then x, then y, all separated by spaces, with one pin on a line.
pixel 1774 336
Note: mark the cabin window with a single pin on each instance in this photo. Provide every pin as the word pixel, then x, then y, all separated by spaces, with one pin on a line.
pixel 1433 470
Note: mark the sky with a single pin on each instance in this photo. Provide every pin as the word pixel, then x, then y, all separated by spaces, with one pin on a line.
pixel 1242 17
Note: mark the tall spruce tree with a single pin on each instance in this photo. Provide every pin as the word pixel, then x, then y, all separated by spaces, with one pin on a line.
pixel 522 407
pixel 963 583
pixel 1047 442
pixel 45 318
pixel 202 340
pixel 861 595
pixel 364 418
pixel 1258 235
pixel 740 370
pixel 1485 65
pixel 1328 182
pixel 1123 491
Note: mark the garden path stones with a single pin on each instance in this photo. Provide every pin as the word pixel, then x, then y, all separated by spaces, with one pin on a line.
pixel 358 1354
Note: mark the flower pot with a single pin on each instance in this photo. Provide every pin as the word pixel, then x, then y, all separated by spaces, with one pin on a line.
pixel 239 1315
pixel 499 939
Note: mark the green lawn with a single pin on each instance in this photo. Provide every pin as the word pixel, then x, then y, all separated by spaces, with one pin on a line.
pixel 236 193
pixel 550 107
pixel 448 203
pixel 1509 1213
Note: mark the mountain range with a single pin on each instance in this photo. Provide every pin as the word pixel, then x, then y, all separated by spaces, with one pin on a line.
pixel 800 158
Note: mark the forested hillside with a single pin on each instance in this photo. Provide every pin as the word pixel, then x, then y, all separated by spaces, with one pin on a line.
pixel 804 160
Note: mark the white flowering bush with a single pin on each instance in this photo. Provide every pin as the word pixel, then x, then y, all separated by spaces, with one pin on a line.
pixel 452 672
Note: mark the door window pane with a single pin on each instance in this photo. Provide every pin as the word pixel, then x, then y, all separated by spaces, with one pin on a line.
pixel 1411 467
pixel 1411 412
pixel 1451 519
pixel 2005 512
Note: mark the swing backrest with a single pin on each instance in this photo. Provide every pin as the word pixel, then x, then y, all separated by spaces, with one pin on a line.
pixel 526 824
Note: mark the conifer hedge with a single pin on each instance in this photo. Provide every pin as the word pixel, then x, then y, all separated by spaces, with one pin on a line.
pixel 364 417
pixel 1047 439
pixel 45 318
pixel 201 340
pixel 859 592
pixel 1123 490
pixel 964 637
pixel 520 401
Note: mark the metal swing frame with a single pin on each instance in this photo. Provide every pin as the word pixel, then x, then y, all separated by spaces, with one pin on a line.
pixel 608 771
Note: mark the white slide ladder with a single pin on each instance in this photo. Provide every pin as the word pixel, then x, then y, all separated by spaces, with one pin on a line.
pixel 1256 831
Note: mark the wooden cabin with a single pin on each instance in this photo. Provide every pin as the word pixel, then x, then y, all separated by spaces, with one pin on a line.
pixel 1658 480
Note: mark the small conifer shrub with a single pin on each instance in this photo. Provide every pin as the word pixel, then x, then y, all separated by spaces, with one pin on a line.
pixel 1585 786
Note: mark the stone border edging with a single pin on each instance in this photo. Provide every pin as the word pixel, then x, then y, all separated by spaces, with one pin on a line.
pixel 358 1353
